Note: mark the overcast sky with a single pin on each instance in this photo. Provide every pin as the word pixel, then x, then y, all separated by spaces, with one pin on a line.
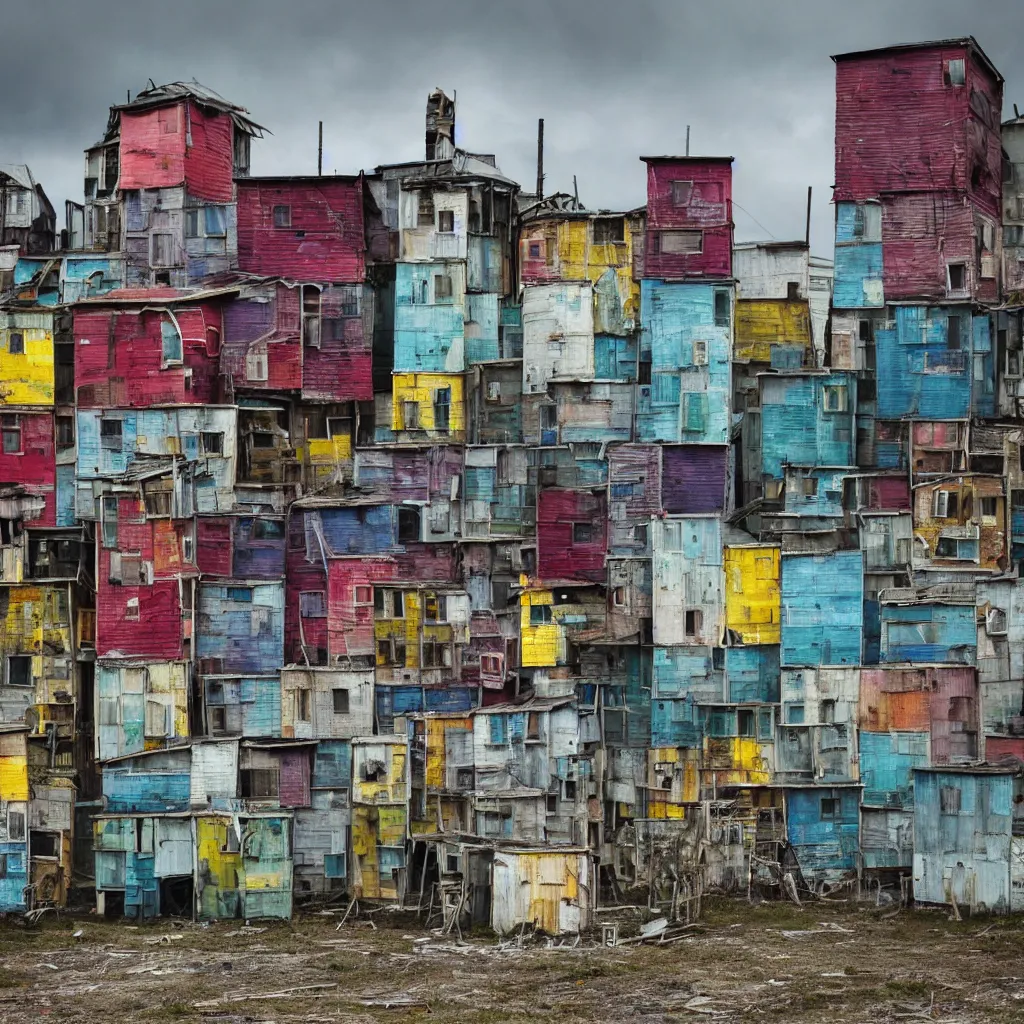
pixel 752 78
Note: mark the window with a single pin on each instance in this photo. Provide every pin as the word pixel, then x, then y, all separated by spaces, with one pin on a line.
pixel 110 435
pixel 435 607
pixel 956 277
pixel 949 799
pixel 256 362
pixel 163 250
pixel 411 415
pixel 989 508
pixel 424 209
pixel 540 614
pixel 240 594
pixel 867 222
pixel 282 216
pixel 216 222
pixel 794 714
pixel 609 230
pixel 640 534
pixel 16 343
pixel 158 500
pixel 722 308
pixel 945 504
pixel 10 425
pixel 212 443
pixel 311 316
pixel 65 432
pixel 995 622
pixel 493 391
pixel 828 711
pixel 535 250
pixel 408 524
pixel 809 486
pixel 442 288
pixel 108 513
pixel 364 596
pixel 340 700
pixel 955 73
pixel 170 339
pixel 700 353
pixel 391 652
pixel 834 398
pixel 131 611
pixel 694 622
pixel 829 808
pixel 619 597
pixel 192 222
pixel 492 664
pixel 436 654
pixel 953 333
pixel 681 192
pixel 313 604
pixel 681 243
pixel 446 221
pixel 303 705
pixel 442 408
pixel 241 153
pixel 19 671
pixel 582 533
pixel 258 783
pixel 745 723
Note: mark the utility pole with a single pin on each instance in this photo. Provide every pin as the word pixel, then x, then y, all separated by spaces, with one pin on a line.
pixel 320 151
pixel 540 158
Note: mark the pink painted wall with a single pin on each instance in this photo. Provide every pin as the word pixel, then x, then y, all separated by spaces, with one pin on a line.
pixel 708 209
pixel 156 152
pixel 325 240
pixel 900 127
pixel 350 627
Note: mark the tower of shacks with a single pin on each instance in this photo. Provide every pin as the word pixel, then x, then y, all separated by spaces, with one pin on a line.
pixel 404 537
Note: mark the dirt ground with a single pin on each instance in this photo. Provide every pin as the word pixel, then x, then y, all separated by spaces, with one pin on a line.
pixel 774 962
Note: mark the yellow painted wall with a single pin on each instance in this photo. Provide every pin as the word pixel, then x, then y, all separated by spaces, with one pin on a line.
pixel 389 790
pixel 551 878
pixel 752 594
pixel 373 827
pixel 420 388
pixel 761 323
pixel 13 777
pixel 36 616
pixel 436 731
pixel 748 763
pixel 27 379
pixel 169 678
pixel 220 870
pixel 669 803
pixel 543 643
pixel 406 628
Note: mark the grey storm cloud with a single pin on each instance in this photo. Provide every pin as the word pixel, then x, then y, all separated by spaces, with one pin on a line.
pixel 613 80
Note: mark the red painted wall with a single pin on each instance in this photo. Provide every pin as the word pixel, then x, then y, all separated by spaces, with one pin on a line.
pixel 427 563
pixel 35 468
pixel 325 240
pixel 214 546
pixel 913 264
pixel 999 747
pixel 301 576
pixel 209 160
pixel 558 557
pixel 341 370
pixel 350 628
pixel 118 354
pixel 156 151
pixel 708 209
pixel 276 322
pixel 900 127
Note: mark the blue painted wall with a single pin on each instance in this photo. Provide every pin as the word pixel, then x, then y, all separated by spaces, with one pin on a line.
pixel 129 788
pixel 924 373
pixel 245 632
pixel 481 327
pixel 253 706
pixel 356 530
pixel 685 402
pixel 753 673
pixel 827 496
pixel 15 879
pixel 674 723
pixel 687 671
pixel 929 633
pixel 332 765
pixel 858 264
pixel 823 825
pixel 822 608
pixel 615 357
pixel 428 336
pixel 796 429
pixel 887 763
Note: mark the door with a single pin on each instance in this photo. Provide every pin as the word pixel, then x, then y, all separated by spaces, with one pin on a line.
pixel 1017 875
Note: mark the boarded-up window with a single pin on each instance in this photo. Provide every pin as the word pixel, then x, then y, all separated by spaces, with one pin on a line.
pixel 163 250
pixel 156 719
pixel 609 229
pixel 19 671
pixel 442 288
pixel 313 604
pixel 256 365
pixel 16 343
pixel 411 415
pixel 339 698
pixel 949 799
pixel 681 242
pixel 681 192
pixel 446 221
pixel 259 783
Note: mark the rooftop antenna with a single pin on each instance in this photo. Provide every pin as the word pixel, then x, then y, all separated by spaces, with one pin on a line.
pixel 575 194
pixel 540 158
pixel 1016 112
pixel 129 95
pixel 807 229
pixel 687 140
pixel 320 150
